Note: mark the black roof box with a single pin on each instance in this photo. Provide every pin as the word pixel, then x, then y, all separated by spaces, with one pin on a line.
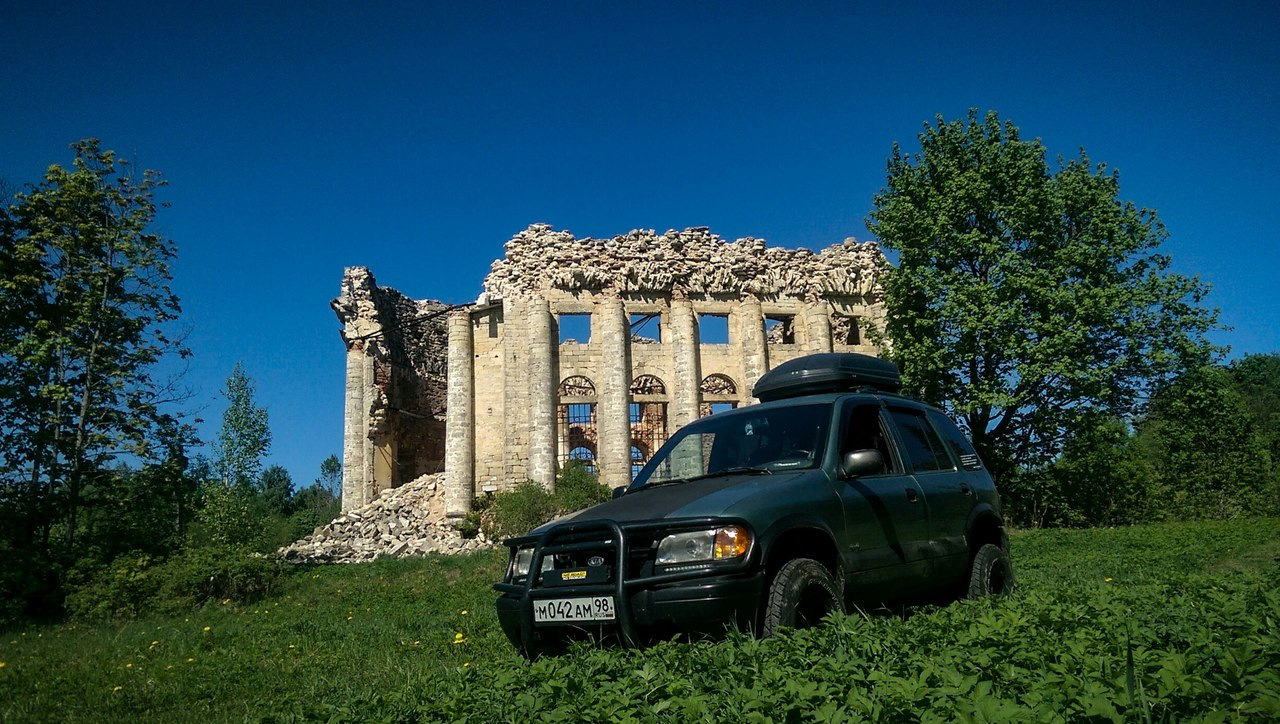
pixel 828 372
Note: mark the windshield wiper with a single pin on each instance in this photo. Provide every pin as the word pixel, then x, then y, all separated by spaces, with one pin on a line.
pixel 740 470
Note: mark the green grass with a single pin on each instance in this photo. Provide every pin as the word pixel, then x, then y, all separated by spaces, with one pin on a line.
pixel 1196 606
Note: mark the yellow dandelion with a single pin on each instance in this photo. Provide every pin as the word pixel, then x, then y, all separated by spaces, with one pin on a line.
pixel 415 643
pixel 464 612
pixel 155 643
pixel 3 664
pixel 292 646
pixel 128 666
pixel 349 618
pixel 1107 580
pixel 466 664
pixel 117 688
pixel 206 629
pixel 458 638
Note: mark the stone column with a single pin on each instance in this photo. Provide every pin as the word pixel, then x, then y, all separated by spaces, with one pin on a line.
pixel 542 396
pixel 755 348
pixel 614 420
pixel 460 420
pixel 684 350
pixel 818 325
pixel 354 429
pixel 515 402
pixel 368 488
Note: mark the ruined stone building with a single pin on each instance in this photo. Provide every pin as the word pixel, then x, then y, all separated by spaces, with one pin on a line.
pixel 587 349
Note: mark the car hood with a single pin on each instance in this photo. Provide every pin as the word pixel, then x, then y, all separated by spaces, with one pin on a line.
pixel 694 499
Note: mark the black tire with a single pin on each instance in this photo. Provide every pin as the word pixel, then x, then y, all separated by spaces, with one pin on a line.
pixel 800 595
pixel 991 572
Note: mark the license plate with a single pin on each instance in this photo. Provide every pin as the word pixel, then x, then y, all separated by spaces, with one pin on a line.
pixel 572 610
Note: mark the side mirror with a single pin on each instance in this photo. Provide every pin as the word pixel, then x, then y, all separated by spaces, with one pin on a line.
pixel 861 462
pixel 619 491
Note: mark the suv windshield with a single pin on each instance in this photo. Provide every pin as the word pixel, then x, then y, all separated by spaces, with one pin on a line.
pixel 766 440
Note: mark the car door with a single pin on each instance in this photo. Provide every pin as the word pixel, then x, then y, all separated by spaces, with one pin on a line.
pixel 885 515
pixel 946 491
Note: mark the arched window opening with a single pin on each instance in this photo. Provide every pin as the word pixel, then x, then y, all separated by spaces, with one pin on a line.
pixel 576 423
pixel 639 456
pixel 719 393
pixel 648 413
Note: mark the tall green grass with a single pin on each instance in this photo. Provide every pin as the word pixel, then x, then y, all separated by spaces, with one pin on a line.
pixel 1194 607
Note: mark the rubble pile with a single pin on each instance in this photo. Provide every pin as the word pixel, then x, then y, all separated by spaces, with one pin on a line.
pixel 694 260
pixel 404 521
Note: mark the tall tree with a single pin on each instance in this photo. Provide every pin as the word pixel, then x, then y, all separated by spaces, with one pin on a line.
pixel 84 307
pixel 1027 300
pixel 330 478
pixel 245 437
pixel 1210 454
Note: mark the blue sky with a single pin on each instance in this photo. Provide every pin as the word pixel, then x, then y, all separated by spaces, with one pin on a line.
pixel 416 138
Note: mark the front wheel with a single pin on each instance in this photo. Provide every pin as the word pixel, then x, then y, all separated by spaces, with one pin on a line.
pixel 991 572
pixel 800 596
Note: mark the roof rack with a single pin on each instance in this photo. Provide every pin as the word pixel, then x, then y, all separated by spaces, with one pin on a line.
pixel 827 372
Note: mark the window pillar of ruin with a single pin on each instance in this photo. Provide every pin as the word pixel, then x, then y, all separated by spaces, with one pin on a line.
pixel 459 441
pixel 614 455
pixel 542 396
pixel 818 321
pixel 687 377
pixel 755 350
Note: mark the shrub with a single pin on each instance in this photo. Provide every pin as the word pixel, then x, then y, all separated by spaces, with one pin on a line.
pixel 216 573
pixel 578 488
pixel 528 505
pixel 136 583
pixel 517 511
pixel 124 588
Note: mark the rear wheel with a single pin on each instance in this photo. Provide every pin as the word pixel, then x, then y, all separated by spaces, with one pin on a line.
pixel 991 572
pixel 800 596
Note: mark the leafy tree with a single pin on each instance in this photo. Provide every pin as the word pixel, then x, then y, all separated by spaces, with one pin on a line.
pixel 84 307
pixel 1027 300
pixel 1211 459
pixel 331 476
pixel 1101 478
pixel 245 437
pixel 277 490
pixel 1257 378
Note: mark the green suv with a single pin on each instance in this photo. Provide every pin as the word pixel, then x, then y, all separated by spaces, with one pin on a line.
pixel 834 491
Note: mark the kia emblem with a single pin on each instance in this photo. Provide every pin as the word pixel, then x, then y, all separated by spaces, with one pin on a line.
pixel 595 561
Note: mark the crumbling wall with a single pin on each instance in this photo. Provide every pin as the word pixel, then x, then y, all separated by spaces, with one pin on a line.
pixel 396 382
pixel 540 259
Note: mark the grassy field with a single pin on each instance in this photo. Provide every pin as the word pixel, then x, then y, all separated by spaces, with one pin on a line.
pixel 1167 622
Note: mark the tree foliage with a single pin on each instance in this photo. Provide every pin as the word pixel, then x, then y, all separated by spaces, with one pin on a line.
pixel 330 478
pixel 1026 300
pixel 85 309
pixel 245 437
pixel 1210 455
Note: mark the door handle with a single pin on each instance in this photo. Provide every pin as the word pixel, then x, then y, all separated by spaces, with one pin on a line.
pixel 964 489
pixel 912 495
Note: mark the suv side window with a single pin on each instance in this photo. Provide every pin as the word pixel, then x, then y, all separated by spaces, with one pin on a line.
pixel 956 440
pixel 863 430
pixel 922 445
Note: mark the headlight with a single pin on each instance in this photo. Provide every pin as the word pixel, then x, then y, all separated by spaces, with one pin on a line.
pixel 524 558
pixel 718 544
pixel 520 566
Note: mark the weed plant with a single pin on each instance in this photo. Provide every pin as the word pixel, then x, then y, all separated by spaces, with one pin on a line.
pixel 1168 622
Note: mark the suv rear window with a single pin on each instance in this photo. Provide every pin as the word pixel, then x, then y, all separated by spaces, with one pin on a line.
pixel 921 444
pixel 960 445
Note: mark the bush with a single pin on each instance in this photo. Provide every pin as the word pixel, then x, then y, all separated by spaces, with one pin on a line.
pixel 124 588
pixel 134 584
pixel 528 505
pixel 578 488
pixel 517 511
